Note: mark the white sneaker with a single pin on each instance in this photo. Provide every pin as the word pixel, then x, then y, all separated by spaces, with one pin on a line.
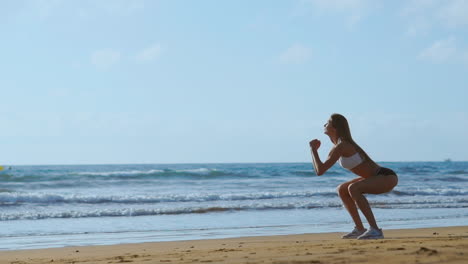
pixel 354 234
pixel 372 233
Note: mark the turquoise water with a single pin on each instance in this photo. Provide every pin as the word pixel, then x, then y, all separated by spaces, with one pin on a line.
pixel 55 206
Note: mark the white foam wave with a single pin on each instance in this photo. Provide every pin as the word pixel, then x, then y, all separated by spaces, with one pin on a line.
pixel 12 198
pixel 118 173
pixel 45 198
pixel 198 170
pixel 163 172
pixel 122 212
pixel 133 212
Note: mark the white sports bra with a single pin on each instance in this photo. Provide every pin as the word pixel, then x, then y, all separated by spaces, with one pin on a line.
pixel 350 162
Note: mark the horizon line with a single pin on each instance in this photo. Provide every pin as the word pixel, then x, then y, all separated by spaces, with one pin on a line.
pixel 197 163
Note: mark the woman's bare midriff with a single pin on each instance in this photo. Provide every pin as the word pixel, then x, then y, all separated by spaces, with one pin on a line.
pixel 366 169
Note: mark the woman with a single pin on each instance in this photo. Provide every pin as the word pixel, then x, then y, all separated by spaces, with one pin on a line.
pixel 372 178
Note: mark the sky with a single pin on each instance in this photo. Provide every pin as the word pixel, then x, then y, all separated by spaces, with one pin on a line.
pixel 208 81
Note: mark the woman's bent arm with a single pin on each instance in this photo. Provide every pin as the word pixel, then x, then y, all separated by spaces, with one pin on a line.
pixel 316 162
pixel 321 167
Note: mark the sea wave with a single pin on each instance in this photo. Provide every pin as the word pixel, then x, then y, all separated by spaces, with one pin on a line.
pixel 206 172
pixel 119 173
pixel 431 192
pixel 156 173
pixel 417 170
pixel 135 212
pixel 311 172
pixel 458 172
pixel 115 213
pixel 44 198
pixel 20 198
pixel 451 179
pixel 197 173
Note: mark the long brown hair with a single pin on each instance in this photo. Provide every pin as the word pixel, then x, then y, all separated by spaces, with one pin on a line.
pixel 340 123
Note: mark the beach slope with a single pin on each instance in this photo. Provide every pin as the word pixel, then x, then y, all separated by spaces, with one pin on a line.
pixel 424 245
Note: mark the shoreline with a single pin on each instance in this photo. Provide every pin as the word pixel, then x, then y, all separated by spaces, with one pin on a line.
pixel 419 245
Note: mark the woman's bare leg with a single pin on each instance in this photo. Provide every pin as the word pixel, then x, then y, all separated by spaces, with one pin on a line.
pixel 349 203
pixel 374 185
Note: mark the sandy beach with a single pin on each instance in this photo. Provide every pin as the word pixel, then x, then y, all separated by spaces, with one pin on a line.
pixel 424 245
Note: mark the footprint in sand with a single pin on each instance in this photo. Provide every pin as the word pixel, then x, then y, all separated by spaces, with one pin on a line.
pixel 424 250
pixel 393 249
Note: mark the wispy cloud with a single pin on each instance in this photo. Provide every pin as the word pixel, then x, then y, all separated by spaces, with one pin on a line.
pixel 45 9
pixel 424 15
pixel 149 54
pixel 353 11
pixel 112 7
pixel 454 13
pixel 104 59
pixel 339 5
pixel 427 16
pixel 296 53
pixel 440 51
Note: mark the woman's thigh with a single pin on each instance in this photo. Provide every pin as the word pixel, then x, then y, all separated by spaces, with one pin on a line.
pixel 354 180
pixel 344 186
pixel 376 184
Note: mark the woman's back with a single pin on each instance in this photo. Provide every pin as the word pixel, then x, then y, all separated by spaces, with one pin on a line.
pixel 366 168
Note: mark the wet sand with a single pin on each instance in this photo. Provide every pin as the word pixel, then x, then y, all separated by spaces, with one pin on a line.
pixel 425 245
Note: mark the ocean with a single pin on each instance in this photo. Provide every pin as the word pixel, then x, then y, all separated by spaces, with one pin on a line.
pixel 56 206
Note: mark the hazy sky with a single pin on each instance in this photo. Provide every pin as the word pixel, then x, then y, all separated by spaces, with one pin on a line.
pixel 230 81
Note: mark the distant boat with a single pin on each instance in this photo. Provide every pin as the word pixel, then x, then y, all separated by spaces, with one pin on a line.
pixel 448 160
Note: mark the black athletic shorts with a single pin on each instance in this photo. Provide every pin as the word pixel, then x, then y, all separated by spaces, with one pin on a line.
pixel 385 171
